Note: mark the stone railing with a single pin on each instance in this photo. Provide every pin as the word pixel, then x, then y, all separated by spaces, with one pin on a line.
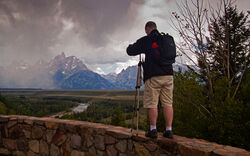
pixel 23 135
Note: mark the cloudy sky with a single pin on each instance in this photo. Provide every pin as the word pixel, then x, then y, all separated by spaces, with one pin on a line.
pixel 96 31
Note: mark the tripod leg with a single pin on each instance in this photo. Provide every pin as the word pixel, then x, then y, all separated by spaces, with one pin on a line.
pixel 138 85
pixel 137 111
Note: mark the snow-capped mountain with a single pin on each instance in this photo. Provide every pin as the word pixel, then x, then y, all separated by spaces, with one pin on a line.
pixel 111 77
pixel 66 65
pixel 126 79
pixel 66 73
pixel 59 73
pixel 71 73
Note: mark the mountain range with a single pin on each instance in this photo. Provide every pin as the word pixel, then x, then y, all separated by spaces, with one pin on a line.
pixel 65 73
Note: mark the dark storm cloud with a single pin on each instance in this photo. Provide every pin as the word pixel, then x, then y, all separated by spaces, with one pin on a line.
pixel 30 29
pixel 27 28
pixel 96 20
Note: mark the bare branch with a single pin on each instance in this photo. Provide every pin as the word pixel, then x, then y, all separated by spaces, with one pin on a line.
pixel 244 70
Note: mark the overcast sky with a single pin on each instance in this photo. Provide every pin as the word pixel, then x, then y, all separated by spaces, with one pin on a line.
pixel 96 31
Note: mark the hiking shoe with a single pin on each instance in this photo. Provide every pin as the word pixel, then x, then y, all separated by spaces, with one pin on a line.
pixel 168 134
pixel 151 134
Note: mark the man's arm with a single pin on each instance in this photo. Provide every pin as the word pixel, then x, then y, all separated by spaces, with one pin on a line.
pixel 137 48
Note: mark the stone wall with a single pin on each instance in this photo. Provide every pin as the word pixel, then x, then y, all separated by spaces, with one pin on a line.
pixel 23 135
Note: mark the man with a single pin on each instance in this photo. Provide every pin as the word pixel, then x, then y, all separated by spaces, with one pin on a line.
pixel 158 81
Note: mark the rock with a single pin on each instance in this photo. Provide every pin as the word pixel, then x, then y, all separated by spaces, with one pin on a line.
pixel 44 148
pixel 111 151
pixel 86 129
pixel 28 121
pixel 10 144
pixel 54 150
pixel 26 130
pixel 27 134
pixel 130 145
pixel 234 149
pixel 51 125
pixel 100 130
pixel 11 123
pixel 4 118
pixel 192 148
pixel 49 135
pixel 19 153
pixel 89 140
pixel 100 153
pixel 140 138
pixel 131 154
pixel 30 153
pixel 140 150
pixel 15 132
pixel 65 148
pixel 37 132
pixel 22 144
pixel 75 141
pixel 72 127
pixel 221 152
pixel 99 142
pixel 4 132
pixel 150 147
pixel 34 146
pixel 20 120
pixel 109 140
pixel 120 134
pixel 77 153
pixel 4 151
pixel 62 127
pixel 170 145
pixel 39 122
pixel 59 138
pixel 122 146
pixel 92 151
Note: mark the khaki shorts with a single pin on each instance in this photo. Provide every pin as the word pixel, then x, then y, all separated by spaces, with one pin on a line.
pixel 158 87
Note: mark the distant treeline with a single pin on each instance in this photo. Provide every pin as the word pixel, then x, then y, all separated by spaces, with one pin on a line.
pixel 33 107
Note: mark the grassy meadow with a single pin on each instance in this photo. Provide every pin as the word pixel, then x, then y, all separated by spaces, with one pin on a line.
pixel 92 95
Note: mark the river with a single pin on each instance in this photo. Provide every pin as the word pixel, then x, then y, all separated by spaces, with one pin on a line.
pixel 78 109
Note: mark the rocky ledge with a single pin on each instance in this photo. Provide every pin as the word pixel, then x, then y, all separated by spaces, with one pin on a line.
pixel 23 135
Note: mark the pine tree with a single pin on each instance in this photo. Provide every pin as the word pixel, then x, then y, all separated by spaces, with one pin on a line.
pixel 229 47
pixel 118 118
pixel 216 108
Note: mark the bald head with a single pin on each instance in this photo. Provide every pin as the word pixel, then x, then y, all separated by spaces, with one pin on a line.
pixel 150 25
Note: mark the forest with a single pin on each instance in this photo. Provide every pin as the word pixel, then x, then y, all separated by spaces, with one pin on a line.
pixel 33 107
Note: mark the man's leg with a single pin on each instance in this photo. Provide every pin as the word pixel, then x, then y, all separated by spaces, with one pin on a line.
pixel 151 99
pixel 167 101
pixel 153 114
pixel 168 115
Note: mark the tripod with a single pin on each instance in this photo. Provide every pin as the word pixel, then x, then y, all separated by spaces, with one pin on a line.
pixel 137 96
